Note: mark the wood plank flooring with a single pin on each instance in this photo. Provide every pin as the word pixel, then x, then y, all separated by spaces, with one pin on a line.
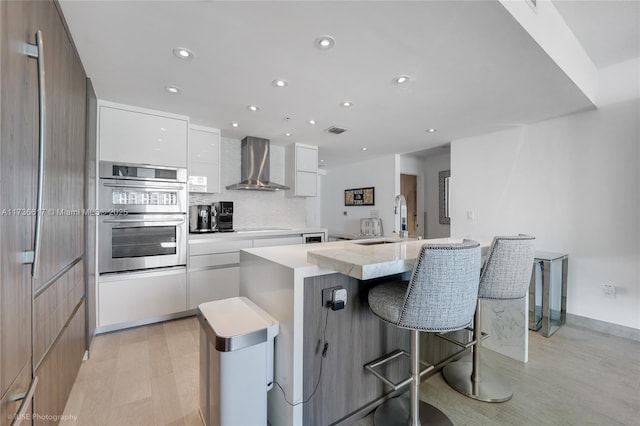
pixel 149 376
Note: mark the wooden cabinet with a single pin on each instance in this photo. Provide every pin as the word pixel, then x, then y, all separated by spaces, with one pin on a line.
pixel 53 299
pixel 135 135
pixel 204 159
pixel 302 170
pixel 140 297
pixel 18 150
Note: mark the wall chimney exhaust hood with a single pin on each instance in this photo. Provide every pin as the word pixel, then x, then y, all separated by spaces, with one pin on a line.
pixel 254 166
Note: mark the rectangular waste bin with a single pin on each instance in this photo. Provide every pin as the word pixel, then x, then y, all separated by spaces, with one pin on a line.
pixel 548 292
pixel 236 362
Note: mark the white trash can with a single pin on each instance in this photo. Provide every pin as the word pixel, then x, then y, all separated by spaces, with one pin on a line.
pixel 236 362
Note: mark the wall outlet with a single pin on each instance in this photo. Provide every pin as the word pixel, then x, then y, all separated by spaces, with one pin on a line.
pixel 609 291
pixel 470 215
pixel 328 295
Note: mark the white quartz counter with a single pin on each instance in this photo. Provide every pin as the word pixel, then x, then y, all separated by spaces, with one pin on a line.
pixel 350 258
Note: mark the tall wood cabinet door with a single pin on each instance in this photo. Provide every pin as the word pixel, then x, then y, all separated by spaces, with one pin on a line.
pixel 18 142
pixel 63 227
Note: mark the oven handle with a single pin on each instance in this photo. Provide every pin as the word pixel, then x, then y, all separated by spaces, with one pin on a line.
pixel 177 186
pixel 143 220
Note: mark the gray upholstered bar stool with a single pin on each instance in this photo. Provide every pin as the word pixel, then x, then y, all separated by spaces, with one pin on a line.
pixel 440 296
pixel 505 275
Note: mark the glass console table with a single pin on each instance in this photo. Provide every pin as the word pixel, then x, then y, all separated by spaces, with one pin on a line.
pixel 548 292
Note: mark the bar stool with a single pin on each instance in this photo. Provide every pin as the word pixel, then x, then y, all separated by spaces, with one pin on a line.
pixel 440 296
pixel 505 275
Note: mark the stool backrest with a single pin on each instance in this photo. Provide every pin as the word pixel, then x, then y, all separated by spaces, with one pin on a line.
pixel 443 289
pixel 506 273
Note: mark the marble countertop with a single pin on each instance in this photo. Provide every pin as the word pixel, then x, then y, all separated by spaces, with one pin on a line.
pixel 359 261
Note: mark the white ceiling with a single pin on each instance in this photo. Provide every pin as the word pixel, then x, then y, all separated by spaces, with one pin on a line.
pixel 473 68
pixel 609 30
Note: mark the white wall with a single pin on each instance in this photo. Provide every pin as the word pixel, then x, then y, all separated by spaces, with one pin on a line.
pixel 574 183
pixel 379 173
pixel 433 165
pixel 255 209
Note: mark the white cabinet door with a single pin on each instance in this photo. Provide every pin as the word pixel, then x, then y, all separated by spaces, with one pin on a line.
pixel 204 159
pixel 306 184
pixel 134 136
pixel 141 296
pixel 306 159
pixel 213 284
pixel 302 170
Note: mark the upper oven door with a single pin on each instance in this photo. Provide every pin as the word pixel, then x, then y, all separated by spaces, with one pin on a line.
pixel 133 242
pixel 119 196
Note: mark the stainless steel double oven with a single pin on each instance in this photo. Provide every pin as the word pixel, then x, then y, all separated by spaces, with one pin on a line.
pixel 143 217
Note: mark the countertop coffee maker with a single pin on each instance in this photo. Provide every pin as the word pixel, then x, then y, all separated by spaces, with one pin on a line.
pixel 203 218
pixel 225 215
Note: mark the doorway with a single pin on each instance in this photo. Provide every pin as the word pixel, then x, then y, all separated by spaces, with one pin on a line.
pixel 409 189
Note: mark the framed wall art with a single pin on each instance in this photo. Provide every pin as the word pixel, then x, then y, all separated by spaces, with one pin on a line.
pixel 359 197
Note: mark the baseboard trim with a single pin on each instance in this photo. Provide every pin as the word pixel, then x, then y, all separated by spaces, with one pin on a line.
pixel 604 327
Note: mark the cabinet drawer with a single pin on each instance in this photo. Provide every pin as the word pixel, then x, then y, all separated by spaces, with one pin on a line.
pixel 207 260
pixel 215 284
pixel 212 247
pixel 141 296
pixel 281 241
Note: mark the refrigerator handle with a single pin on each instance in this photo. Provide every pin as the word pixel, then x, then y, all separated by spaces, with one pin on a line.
pixel 26 402
pixel 37 51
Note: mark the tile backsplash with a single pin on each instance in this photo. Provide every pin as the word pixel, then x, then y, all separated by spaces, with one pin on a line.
pixel 255 209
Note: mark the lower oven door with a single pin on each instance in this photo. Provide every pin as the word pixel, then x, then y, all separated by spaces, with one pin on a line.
pixel 135 242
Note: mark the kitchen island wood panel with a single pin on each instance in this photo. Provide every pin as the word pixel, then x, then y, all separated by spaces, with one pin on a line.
pixel 284 282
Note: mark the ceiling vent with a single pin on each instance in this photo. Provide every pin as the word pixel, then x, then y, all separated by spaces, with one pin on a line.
pixel 335 130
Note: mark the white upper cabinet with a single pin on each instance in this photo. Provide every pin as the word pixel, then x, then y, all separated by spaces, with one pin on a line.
pixel 302 170
pixel 204 159
pixel 134 135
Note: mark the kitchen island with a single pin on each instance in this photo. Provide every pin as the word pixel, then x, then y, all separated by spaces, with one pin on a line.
pixel 320 353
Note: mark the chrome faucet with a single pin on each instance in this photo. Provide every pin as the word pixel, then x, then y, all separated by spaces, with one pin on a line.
pixel 400 212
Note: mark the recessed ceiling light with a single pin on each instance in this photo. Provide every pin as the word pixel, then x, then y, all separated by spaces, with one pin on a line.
pixel 432 130
pixel 253 107
pixel 325 42
pixel 402 79
pixel 287 134
pixel 234 125
pixel 346 104
pixel 364 149
pixel 183 53
pixel 280 83
pixel 311 121
pixel 322 161
pixel 172 89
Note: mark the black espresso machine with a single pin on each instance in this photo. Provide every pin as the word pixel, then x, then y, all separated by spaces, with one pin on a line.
pixel 216 217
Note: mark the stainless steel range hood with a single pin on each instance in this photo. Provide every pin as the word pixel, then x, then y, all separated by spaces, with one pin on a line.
pixel 254 166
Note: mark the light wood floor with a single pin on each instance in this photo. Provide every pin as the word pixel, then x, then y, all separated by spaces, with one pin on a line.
pixel 149 376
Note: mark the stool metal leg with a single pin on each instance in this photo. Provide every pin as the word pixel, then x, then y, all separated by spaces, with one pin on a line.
pixel 465 377
pixel 401 411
